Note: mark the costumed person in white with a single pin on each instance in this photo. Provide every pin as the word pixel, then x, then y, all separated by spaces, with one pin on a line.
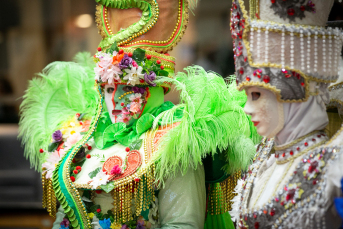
pixel 285 60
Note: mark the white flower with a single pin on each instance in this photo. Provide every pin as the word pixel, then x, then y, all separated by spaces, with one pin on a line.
pixel 72 139
pixel 133 76
pixel 100 179
pixel 51 162
pixel 236 201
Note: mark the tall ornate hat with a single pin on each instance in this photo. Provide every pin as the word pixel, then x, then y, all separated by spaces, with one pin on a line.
pixel 284 46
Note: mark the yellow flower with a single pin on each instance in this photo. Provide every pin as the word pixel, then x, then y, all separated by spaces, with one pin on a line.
pixel 115 226
pixel 91 215
pixel 71 127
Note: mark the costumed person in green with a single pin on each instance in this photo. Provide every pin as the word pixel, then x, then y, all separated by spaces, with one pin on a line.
pixel 112 152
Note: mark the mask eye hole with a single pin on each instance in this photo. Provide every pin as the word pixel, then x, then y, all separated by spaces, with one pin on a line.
pixel 110 90
pixel 127 88
pixel 255 95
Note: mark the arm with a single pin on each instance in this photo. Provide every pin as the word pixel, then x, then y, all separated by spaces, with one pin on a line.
pixel 182 202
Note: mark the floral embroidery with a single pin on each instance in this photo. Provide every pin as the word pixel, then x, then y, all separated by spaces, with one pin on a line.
pixel 313 167
pixel 293 193
pixel 292 9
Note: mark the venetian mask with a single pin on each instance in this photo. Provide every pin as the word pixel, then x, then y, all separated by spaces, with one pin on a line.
pixel 265 111
pixel 125 103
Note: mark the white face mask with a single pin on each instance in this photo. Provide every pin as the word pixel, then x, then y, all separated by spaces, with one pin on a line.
pixel 265 111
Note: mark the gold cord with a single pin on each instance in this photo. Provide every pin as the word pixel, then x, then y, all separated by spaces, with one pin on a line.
pixel 295 141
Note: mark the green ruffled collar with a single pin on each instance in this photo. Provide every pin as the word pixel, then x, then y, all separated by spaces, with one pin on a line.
pixel 108 133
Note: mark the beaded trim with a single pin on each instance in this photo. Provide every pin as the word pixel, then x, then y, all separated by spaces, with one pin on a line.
pixel 290 90
pixel 308 183
pixel 125 38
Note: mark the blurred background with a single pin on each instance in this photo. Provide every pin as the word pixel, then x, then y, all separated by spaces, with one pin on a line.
pixel 36 32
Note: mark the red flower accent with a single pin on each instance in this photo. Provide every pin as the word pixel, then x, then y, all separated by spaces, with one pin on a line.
pixel 148 57
pixel 158 61
pixel 89 147
pixel 98 210
pixel 127 149
pixel 72 178
pixel 121 51
pixel 313 166
pixel 290 194
pixel 78 167
pixel 75 171
pixel 99 49
pixel 88 156
pixel 41 150
pixel 130 54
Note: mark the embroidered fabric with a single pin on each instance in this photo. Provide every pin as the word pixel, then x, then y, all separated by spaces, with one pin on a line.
pixel 305 197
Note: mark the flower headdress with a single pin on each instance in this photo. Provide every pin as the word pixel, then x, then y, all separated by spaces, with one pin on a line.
pixel 284 47
pixel 115 66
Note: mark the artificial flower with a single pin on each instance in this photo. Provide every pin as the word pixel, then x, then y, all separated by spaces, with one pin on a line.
pixel 140 223
pixel 65 222
pixel 57 136
pixel 116 170
pixel 134 64
pixel 125 62
pixel 85 125
pixel 149 78
pixel 71 127
pixel 136 98
pixel 124 118
pixel 106 70
pixel 91 215
pixel 51 162
pixel 95 223
pixel 133 76
pixel 117 58
pixel 114 225
pixel 74 138
pixel 139 90
pixel 135 107
pixel 100 179
pixel 124 227
pixel 153 212
pixel 105 223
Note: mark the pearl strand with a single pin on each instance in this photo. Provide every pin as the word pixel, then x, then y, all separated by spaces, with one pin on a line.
pixel 309 51
pixel 302 54
pixel 266 37
pixel 283 48
pixel 258 44
pixel 251 40
pixel 315 51
pixel 324 53
pixel 292 51
pixel 330 53
pixel 335 61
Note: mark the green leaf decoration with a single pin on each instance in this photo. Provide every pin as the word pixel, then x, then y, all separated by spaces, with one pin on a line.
pixel 94 172
pixel 138 55
pixel 113 48
pixel 108 187
pixel 53 146
pixel 144 123
pixel 136 145
pixel 162 73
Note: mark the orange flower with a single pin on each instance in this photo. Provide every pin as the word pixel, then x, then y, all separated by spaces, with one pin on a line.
pixel 117 58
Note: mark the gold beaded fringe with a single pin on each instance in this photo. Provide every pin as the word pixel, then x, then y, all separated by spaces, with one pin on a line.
pixel 134 193
pixel 49 198
pixel 221 194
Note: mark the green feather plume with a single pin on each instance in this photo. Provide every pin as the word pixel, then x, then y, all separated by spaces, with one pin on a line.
pixel 57 94
pixel 213 118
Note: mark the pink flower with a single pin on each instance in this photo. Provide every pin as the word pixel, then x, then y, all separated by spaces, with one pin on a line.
pixel 136 98
pixel 74 138
pixel 134 64
pixel 135 107
pixel 52 162
pixel 106 70
pixel 124 119
pixel 124 111
pixel 116 170
pixel 85 125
